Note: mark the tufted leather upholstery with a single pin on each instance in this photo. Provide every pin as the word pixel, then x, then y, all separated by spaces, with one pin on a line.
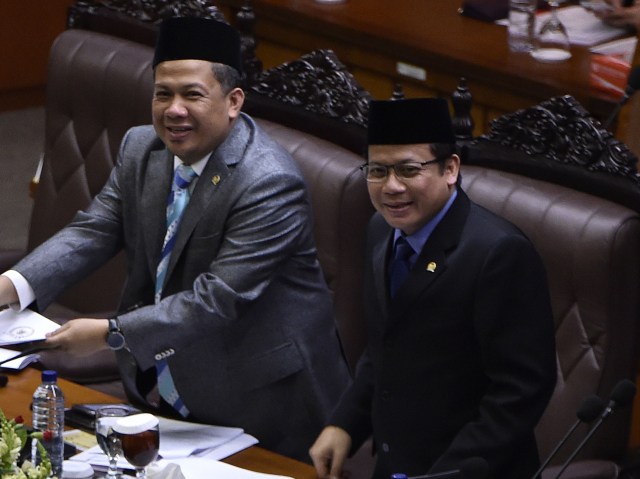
pixel 590 248
pixel 98 87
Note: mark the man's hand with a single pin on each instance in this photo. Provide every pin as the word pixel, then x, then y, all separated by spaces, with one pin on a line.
pixel 80 337
pixel 330 451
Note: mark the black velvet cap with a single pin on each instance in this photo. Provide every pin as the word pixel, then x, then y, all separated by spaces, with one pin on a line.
pixel 193 38
pixel 410 121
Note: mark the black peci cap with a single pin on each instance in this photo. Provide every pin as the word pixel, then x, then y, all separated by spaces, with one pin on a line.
pixel 410 121
pixel 193 38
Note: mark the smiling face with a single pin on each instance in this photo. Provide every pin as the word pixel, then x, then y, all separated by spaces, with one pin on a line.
pixel 192 115
pixel 408 204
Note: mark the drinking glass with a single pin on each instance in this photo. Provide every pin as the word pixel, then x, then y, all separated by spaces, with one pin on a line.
pixel 552 41
pixel 140 439
pixel 107 438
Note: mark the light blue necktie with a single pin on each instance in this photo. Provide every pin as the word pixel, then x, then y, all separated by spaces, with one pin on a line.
pixel 176 205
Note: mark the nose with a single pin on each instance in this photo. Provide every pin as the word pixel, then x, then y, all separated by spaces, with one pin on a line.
pixel 392 184
pixel 176 108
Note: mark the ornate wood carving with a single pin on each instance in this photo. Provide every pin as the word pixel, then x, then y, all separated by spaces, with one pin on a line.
pixel 317 82
pixel 149 11
pixel 560 129
pixel 462 120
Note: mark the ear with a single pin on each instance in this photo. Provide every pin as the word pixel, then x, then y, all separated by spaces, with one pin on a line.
pixel 452 169
pixel 236 100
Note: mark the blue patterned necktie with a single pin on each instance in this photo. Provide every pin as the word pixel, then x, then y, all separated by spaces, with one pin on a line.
pixel 176 205
pixel 400 264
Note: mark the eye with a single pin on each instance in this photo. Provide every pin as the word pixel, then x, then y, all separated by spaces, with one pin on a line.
pixel 377 171
pixel 408 170
pixel 161 94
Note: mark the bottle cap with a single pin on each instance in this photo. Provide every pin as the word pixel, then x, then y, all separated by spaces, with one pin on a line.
pixel 49 376
pixel 76 470
pixel 135 424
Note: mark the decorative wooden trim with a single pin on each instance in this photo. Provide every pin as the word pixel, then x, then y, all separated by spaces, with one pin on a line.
pixel 317 82
pixel 561 130
pixel 148 11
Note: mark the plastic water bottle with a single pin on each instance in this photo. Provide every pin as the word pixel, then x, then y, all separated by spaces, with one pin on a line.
pixel 48 417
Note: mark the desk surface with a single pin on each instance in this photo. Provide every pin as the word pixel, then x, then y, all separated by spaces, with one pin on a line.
pixel 16 397
pixel 431 33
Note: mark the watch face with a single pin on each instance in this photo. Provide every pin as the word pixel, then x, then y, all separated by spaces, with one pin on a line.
pixel 115 340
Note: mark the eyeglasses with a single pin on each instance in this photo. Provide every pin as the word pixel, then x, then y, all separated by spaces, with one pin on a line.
pixel 377 173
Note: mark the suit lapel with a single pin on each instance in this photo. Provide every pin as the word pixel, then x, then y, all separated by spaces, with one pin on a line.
pixel 432 260
pixel 153 217
pixel 213 178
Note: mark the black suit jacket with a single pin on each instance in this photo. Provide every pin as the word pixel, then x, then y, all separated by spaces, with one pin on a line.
pixel 461 363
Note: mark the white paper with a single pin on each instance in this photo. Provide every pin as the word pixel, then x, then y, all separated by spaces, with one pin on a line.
pixel 583 27
pixel 197 468
pixel 24 326
pixel 181 439
pixel 624 48
pixel 16 364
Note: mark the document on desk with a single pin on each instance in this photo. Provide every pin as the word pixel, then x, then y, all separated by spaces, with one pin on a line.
pixel 23 327
pixel 17 364
pixel 180 440
pixel 583 27
pixel 207 468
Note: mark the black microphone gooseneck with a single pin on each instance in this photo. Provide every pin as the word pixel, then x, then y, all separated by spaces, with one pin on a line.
pixel 621 396
pixel 591 408
pixel 633 84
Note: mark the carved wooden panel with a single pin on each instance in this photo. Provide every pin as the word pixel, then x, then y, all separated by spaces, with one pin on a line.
pixel 151 11
pixel 560 129
pixel 317 82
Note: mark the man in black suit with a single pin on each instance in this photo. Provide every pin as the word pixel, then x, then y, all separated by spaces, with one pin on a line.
pixel 460 361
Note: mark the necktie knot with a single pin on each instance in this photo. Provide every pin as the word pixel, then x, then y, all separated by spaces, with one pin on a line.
pixel 183 176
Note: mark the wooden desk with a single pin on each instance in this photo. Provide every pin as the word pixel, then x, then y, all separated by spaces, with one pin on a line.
pixel 15 399
pixel 371 37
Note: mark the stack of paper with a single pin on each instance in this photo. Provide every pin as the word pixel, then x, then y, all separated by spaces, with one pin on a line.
pixel 23 327
pixel 181 440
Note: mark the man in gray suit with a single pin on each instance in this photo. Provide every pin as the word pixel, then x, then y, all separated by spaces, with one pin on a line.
pixel 226 310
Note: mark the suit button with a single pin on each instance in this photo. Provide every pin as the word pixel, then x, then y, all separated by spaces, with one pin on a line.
pixel 385 447
pixel 385 395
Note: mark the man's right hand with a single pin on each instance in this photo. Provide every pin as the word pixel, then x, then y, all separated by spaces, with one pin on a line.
pixel 330 451
pixel 8 294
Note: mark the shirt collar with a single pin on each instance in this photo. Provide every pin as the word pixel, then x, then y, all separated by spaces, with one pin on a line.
pixel 198 166
pixel 418 239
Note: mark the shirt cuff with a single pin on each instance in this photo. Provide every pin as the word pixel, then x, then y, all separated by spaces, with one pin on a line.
pixel 26 295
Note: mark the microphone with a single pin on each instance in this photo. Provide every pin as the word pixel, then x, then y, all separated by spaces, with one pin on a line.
pixel 621 396
pixel 633 84
pixel 590 409
pixel 470 468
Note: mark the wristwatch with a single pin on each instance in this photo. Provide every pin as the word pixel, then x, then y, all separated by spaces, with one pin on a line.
pixel 115 338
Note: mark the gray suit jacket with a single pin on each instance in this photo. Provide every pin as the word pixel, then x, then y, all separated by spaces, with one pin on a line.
pixel 246 319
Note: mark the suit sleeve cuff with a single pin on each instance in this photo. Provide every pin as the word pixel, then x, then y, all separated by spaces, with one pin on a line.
pixel 26 295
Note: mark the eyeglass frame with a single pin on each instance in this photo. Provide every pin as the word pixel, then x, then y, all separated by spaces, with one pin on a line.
pixel 422 164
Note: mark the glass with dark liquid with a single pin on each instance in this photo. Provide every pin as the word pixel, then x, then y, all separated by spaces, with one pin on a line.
pixel 140 440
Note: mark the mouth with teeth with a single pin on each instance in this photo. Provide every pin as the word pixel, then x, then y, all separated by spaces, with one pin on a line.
pixel 178 132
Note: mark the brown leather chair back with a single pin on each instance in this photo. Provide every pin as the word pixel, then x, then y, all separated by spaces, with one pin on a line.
pixel 571 187
pixel 98 87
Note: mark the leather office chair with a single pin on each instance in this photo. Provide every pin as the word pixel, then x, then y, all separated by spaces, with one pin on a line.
pixel 574 190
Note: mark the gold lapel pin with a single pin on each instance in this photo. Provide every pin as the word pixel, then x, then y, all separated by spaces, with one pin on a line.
pixel 215 179
pixel 431 267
